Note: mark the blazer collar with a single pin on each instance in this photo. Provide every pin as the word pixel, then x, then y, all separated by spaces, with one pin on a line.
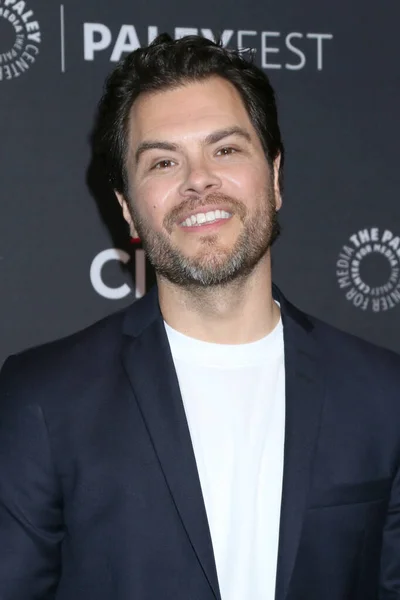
pixel 142 313
pixel 145 311
pixel 149 366
pixel 305 391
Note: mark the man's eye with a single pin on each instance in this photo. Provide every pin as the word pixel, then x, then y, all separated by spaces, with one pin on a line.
pixel 226 151
pixel 163 164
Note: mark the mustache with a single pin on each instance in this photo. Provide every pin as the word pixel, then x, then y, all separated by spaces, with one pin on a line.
pixel 178 212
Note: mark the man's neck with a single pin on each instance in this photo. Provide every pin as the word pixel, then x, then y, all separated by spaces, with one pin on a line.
pixel 240 312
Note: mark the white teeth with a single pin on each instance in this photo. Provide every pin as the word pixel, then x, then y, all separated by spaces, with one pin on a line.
pixel 208 217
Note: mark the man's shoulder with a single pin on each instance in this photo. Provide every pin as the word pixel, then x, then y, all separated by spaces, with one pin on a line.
pixel 74 345
pixel 351 354
pixel 56 367
pixel 331 345
pixel 95 345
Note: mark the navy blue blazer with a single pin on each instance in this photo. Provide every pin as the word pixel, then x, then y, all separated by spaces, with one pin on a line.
pixel 99 493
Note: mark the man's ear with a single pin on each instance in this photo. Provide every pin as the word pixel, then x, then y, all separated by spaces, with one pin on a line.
pixel 127 214
pixel 278 195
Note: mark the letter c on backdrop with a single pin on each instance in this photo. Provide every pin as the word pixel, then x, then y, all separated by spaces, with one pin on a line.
pixel 96 278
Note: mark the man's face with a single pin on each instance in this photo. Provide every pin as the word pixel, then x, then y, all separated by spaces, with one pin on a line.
pixel 202 196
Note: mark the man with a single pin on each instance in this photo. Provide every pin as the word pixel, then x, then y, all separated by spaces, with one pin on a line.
pixel 211 441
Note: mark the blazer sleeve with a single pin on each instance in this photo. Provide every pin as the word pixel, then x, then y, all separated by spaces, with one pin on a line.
pixel 390 556
pixel 31 525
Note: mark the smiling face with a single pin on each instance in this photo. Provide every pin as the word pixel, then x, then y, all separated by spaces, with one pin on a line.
pixel 202 195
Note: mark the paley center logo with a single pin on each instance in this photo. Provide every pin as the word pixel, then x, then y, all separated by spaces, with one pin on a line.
pixel 368 269
pixel 20 38
pixel 277 50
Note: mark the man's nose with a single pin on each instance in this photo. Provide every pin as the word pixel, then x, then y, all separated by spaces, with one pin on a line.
pixel 200 178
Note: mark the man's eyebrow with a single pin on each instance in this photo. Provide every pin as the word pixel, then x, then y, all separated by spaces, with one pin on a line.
pixel 154 145
pixel 219 135
pixel 212 138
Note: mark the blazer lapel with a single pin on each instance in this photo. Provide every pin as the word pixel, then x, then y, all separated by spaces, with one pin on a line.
pixel 304 399
pixel 150 369
pixel 149 365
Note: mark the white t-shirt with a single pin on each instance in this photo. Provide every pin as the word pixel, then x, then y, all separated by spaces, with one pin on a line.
pixel 234 399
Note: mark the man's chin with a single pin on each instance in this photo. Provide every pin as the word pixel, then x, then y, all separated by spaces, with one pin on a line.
pixel 213 253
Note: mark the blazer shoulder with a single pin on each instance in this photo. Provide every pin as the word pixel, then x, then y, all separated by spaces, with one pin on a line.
pixel 334 345
pixel 49 369
pixel 348 351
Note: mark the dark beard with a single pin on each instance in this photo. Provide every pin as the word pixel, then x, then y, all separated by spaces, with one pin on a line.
pixel 213 266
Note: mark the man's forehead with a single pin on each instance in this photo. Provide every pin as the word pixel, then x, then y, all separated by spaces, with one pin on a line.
pixel 204 105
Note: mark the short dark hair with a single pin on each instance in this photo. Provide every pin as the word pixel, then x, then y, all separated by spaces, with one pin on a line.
pixel 168 63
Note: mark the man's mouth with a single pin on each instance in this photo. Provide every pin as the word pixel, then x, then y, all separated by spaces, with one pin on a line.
pixel 204 218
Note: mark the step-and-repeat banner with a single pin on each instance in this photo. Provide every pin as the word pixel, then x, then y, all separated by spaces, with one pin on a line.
pixel 65 257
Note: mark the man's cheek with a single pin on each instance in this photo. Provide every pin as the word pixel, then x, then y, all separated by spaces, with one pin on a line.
pixel 156 197
pixel 245 180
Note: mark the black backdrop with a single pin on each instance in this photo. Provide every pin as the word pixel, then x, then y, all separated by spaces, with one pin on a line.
pixel 65 257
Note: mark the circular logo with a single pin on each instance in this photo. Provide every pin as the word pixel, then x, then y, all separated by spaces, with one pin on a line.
pixel 20 38
pixel 368 269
